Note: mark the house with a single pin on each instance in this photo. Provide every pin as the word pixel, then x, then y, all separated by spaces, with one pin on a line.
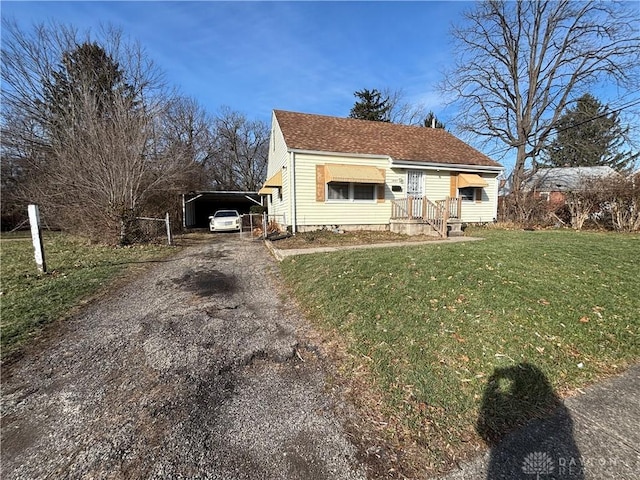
pixel 553 184
pixel 358 174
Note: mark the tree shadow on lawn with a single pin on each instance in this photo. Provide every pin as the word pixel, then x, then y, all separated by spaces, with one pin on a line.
pixel 521 396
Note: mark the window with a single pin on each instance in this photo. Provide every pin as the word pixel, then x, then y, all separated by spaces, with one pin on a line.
pixel 467 194
pixel 340 191
pixel 363 191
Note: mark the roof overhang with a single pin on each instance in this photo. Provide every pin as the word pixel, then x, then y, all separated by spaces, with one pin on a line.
pixel 339 154
pixel 218 194
pixel 453 167
pixel 265 191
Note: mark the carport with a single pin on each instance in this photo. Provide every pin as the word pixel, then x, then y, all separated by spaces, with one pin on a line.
pixel 198 206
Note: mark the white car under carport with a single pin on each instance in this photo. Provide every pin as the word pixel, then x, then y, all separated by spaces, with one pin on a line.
pixel 225 221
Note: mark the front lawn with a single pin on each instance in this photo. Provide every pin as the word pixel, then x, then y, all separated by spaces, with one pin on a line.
pixel 431 324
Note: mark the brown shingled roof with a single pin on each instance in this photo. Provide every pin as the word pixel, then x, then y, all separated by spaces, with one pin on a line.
pixel 304 131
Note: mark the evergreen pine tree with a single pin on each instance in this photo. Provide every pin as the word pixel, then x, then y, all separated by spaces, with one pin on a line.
pixel 371 106
pixel 432 120
pixel 589 135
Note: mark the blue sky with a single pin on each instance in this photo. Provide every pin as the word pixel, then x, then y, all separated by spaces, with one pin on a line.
pixel 303 56
pixel 257 56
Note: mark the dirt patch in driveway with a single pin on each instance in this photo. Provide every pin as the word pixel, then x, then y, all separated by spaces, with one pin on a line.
pixel 198 369
pixel 208 283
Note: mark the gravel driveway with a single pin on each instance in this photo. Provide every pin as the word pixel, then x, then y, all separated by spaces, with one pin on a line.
pixel 197 369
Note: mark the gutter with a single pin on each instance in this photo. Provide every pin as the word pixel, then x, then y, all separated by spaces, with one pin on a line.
pixel 459 167
pixel 292 181
pixel 339 154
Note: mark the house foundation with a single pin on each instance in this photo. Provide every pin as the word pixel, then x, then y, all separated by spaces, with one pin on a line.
pixel 411 227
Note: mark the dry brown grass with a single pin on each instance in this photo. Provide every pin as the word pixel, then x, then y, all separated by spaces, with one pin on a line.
pixel 327 238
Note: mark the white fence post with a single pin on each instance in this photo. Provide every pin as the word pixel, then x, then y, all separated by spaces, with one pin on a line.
pixel 36 237
pixel 169 239
pixel 264 225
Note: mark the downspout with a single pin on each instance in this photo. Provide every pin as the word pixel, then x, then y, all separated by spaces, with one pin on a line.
pixel 292 181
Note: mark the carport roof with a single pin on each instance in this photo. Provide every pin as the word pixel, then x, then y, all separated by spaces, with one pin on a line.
pixel 223 195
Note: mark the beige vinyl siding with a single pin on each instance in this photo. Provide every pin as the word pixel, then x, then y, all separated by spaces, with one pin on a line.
pixel 311 212
pixel 437 184
pixel 278 155
pixel 438 187
pixel 279 158
pixel 487 209
pixel 396 176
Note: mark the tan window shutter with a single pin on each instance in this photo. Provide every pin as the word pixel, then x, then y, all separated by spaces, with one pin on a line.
pixel 453 187
pixel 320 183
pixel 380 188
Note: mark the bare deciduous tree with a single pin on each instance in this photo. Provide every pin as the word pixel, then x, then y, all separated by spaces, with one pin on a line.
pixel 519 64
pixel 90 123
pixel 238 160
pixel 403 112
pixel 624 202
pixel 185 133
pixel 618 199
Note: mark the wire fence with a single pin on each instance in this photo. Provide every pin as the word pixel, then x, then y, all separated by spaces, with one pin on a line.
pixel 150 230
pixel 255 226
pixel 252 226
pixel 136 230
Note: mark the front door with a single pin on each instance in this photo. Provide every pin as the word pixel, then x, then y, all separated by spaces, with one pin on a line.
pixel 415 183
pixel 415 189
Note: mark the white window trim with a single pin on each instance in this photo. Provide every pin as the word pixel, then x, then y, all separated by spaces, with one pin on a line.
pixel 351 194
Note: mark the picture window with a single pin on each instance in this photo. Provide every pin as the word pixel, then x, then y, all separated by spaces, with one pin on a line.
pixel 347 192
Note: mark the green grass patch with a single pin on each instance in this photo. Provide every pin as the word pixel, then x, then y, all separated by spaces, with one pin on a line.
pixel 76 270
pixel 472 339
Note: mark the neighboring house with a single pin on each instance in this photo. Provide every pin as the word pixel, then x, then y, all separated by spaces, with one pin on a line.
pixel 553 184
pixel 357 174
